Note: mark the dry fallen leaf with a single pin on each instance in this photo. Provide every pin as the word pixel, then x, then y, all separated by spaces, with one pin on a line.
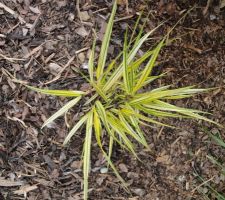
pixel 44 182
pixel 122 2
pixel 162 159
pixel 76 164
pixel 81 57
pixel 81 31
pixel 54 68
pixel 138 191
pixel 123 168
pixel 8 183
pixel 25 189
pixel 35 10
pixel 222 4
pixel 84 16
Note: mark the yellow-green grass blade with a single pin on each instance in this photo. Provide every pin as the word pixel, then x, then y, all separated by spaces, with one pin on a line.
pixel 105 43
pixel 141 31
pixel 87 152
pixel 64 93
pixel 116 75
pixel 97 127
pixel 119 71
pixel 127 123
pixel 92 98
pixel 104 118
pixel 111 142
pixel 158 94
pixel 99 91
pixel 151 79
pixel 102 113
pixel 118 128
pixel 110 67
pixel 129 112
pixel 157 113
pixel 165 87
pixel 188 112
pixel 134 29
pixel 91 62
pixel 75 128
pixel 178 97
pixel 215 161
pixel 126 78
pixel 148 69
pixel 137 63
pixel 135 123
pixel 98 132
pixel 139 43
pixel 61 111
pixel 161 105
pixel 217 139
pixel 130 130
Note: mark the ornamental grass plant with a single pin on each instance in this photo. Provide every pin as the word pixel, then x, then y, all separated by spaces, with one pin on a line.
pixel 118 106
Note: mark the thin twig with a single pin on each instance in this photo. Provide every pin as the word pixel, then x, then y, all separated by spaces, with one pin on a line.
pixel 12 12
pixel 202 184
pixel 10 59
pixel 61 71
pixel 78 10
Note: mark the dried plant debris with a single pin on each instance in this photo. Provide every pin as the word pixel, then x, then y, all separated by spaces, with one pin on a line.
pixel 34 34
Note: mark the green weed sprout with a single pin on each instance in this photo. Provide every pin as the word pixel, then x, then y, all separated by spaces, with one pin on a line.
pixel 117 103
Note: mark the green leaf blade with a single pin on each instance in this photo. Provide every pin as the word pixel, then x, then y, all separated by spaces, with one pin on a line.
pixel 64 93
pixel 105 44
pixel 87 152
pixel 91 62
pixel 74 129
pixel 61 111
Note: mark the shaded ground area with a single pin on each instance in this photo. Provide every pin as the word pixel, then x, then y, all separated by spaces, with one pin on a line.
pixel 44 42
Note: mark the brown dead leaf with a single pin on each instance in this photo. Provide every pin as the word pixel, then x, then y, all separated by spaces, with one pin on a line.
pixel 54 174
pixel 122 2
pixel 25 189
pixel 81 57
pixel 44 182
pixel 76 164
pixel 123 168
pixel 189 46
pixel 138 191
pixel 81 31
pixel 54 68
pixel 61 3
pixel 222 4
pixel 84 16
pixel 35 10
pixel 163 159
pixel 8 183
pixel 171 8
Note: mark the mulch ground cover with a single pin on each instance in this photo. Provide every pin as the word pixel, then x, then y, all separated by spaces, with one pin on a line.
pixel 43 42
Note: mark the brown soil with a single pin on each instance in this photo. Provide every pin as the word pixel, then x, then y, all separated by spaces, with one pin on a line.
pixel 49 35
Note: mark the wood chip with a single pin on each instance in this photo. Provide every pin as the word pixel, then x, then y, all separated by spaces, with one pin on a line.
pixel 84 16
pixel 123 168
pixel 12 12
pixel 162 159
pixel 81 31
pixel 54 68
pixel 8 183
pixel 35 10
pixel 25 189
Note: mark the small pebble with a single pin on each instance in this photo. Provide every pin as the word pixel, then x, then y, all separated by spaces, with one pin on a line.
pixel 138 191
pixel 212 17
pixel 104 170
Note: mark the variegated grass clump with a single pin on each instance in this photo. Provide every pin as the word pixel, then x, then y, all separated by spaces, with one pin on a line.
pixel 117 102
